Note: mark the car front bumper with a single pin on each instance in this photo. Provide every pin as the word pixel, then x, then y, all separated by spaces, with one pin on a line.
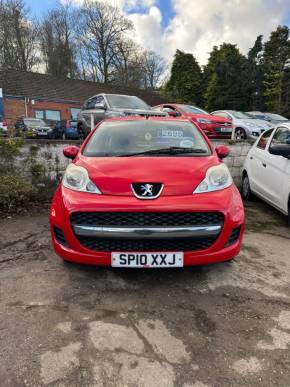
pixel 217 130
pixel 66 202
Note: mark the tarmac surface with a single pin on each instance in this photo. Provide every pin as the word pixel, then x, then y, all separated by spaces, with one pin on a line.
pixel 220 325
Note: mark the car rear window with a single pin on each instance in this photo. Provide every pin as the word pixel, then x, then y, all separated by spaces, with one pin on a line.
pixel 115 138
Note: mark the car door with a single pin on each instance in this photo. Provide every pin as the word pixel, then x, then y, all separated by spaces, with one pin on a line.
pixel 88 109
pixel 277 171
pixel 256 168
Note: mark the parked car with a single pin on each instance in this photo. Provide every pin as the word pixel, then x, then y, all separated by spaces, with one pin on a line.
pixel 147 192
pixel 276 118
pixel 104 106
pixel 213 126
pixel 33 128
pixel 66 130
pixel 258 115
pixel 266 169
pixel 270 117
pixel 3 127
pixel 245 126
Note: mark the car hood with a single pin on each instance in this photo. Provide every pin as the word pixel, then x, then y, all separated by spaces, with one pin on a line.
pixel 209 117
pixel 114 175
pixel 253 121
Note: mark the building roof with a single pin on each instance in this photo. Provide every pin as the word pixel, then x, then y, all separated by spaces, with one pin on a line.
pixel 43 86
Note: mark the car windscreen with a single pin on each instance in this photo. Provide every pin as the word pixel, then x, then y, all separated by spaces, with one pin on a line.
pixel 121 138
pixel 241 115
pixel 276 117
pixel 192 109
pixel 126 102
pixel 34 123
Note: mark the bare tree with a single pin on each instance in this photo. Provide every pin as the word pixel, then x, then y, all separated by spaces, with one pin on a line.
pixel 128 63
pixel 154 68
pixel 18 36
pixel 57 35
pixel 101 26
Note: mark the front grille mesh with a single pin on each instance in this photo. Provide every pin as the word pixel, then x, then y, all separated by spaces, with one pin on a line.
pixel 146 219
pixel 187 244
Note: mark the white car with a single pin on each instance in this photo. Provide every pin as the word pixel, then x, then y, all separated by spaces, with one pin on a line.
pixel 245 126
pixel 266 171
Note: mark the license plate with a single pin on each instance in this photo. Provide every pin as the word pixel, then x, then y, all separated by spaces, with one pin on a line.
pixel 147 260
pixel 226 130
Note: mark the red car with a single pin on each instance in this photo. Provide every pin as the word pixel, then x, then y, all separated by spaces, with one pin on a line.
pixel 213 126
pixel 147 192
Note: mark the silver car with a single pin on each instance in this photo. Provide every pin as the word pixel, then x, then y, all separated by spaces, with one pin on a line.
pixel 245 126
pixel 103 106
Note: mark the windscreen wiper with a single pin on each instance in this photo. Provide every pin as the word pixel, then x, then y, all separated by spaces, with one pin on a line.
pixel 173 150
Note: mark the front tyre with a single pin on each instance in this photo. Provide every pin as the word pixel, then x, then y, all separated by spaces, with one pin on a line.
pixel 246 188
pixel 240 134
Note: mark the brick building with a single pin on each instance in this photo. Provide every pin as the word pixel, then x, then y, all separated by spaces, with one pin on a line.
pixel 27 94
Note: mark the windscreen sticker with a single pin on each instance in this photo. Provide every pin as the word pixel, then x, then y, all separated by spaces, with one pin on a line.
pixel 186 143
pixel 148 136
pixel 170 133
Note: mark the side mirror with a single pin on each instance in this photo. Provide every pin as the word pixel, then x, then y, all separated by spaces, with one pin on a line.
pixel 71 151
pixel 172 113
pixel 100 105
pixel 222 151
pixel 280 150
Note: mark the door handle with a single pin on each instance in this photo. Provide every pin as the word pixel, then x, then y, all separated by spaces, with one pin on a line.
pixel 264 165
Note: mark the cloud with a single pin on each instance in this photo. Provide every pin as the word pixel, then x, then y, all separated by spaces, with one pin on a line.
pixel 197 25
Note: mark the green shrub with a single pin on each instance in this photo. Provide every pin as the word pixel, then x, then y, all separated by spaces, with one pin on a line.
pixel 15 191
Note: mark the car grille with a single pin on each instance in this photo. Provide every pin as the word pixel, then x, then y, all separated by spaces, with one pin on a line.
pixel 146 219
pixel 187 244
pixel 226 124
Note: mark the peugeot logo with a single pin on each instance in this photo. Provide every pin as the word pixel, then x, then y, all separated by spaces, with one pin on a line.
pixel 147 190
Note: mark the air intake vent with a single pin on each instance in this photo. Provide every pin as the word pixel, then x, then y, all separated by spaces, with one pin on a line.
pixel 234 236
pixel 59 236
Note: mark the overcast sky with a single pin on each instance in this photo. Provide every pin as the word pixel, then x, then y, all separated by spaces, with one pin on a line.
pixel 195 25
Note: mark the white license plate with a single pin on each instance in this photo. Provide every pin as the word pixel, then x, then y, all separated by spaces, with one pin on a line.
pixel 147 260
pixel 226 130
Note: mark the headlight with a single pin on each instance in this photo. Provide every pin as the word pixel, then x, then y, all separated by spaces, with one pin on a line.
pixel 203 121
pixel 216 178
pixel 77 179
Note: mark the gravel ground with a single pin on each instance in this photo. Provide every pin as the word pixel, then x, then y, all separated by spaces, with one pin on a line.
pixel 220 325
